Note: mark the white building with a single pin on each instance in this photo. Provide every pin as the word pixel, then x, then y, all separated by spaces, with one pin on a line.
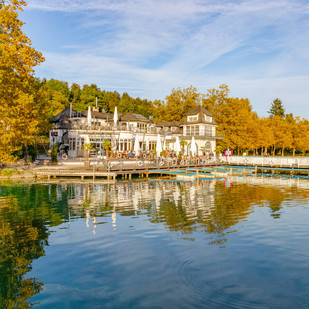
pixel 73 129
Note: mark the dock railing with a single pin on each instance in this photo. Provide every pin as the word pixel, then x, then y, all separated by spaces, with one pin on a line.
pixel 296 162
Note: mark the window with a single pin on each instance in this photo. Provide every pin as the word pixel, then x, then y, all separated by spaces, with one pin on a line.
pixel 125 144
pixel 208 119
pixel 72 144
pixel 192 118
pixel 152 145
pixel 208 131
pixel 79 143
pixel 193 130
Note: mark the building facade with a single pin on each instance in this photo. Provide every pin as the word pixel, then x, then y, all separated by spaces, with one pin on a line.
pixel 72 129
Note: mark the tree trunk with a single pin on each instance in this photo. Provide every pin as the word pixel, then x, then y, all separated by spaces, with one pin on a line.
pixel 294 152
pixel 282 154
pixel 26 153
pixel 274 149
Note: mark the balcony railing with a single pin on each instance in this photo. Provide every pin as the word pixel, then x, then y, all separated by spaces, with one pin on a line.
pixel 131 129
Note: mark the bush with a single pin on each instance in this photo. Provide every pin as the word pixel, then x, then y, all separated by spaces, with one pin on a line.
pixel 54 153
pixel 32 153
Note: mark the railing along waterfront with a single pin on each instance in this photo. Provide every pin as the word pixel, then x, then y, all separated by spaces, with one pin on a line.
pixel 292 162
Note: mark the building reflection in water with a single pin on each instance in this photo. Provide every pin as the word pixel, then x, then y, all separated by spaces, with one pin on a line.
pixel 212 207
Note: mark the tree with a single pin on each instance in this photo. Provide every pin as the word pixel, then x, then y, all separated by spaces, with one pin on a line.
pixel 183 143
pixel 107 146
pixel 86 147
pixel 234 117
pixel 54 153
pixel 75 93
pixel 23 106
pixel 276 109
pixel 179 102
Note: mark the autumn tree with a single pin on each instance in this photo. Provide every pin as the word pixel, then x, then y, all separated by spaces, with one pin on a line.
pixel 233 116
pixel 22 104
pixel 180 101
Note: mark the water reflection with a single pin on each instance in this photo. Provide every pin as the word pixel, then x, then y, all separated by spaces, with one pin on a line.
pixel 215 210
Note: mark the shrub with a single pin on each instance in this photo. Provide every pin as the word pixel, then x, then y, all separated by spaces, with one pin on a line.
pixel 54 153
pixel 32 153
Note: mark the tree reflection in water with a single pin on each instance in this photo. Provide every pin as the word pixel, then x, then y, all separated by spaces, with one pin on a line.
pixel 213 209
pixel 24 212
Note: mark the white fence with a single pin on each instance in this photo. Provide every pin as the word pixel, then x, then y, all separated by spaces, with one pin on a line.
pixel 301 162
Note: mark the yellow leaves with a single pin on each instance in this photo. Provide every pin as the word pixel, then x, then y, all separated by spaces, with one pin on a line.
pixel 20 102
pixel 180 101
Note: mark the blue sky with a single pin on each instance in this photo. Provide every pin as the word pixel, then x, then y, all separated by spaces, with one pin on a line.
pixel 260 49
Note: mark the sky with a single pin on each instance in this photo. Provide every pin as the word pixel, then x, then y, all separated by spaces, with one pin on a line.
pixel 259 48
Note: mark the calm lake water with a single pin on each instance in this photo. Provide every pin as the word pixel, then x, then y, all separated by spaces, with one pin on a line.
pixel 155 244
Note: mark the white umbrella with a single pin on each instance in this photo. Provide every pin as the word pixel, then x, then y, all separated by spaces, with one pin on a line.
pixel 89 116
pixel 136 145
pixel 177 147
pixel 115 116
pixel 159 145
pixel 193 146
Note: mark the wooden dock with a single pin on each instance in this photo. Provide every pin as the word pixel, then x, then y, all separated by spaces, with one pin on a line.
pixel 52 173
pixel 187 172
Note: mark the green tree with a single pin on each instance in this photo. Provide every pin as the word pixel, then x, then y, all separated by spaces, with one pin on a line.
pixel 276 109
pixel 88 96
pixel 107 146
pixel 54 153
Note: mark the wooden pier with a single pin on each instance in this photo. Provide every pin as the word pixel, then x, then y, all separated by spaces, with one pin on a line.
pixel 125 170
pixel 188 172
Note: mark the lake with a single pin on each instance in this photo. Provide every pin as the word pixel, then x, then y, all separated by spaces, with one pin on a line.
pixel 239 243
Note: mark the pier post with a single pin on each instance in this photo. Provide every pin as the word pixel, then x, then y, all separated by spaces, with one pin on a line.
pixel 231 171
pixel 197 176
pixel 130 176
pixel 256 171
pixel 244 172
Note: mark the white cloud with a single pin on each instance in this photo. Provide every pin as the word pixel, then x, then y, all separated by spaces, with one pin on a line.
pixel 151 46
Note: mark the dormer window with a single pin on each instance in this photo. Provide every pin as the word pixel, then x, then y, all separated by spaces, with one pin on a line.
pixel 208 119
pixel 192 118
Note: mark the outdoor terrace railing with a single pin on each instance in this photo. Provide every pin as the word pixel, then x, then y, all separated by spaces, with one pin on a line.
pixel 113 128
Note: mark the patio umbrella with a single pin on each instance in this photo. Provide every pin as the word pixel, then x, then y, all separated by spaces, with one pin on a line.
pixel 177 147
pixel 193 147
pixel 115 116
pixel 89 116
pixel 136 145
pixel 159 145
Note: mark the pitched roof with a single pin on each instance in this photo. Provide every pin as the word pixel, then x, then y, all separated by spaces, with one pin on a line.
pixel 64 114
pixel 200 111
pixel 169 123
pixel 132 117
pixel 97 115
